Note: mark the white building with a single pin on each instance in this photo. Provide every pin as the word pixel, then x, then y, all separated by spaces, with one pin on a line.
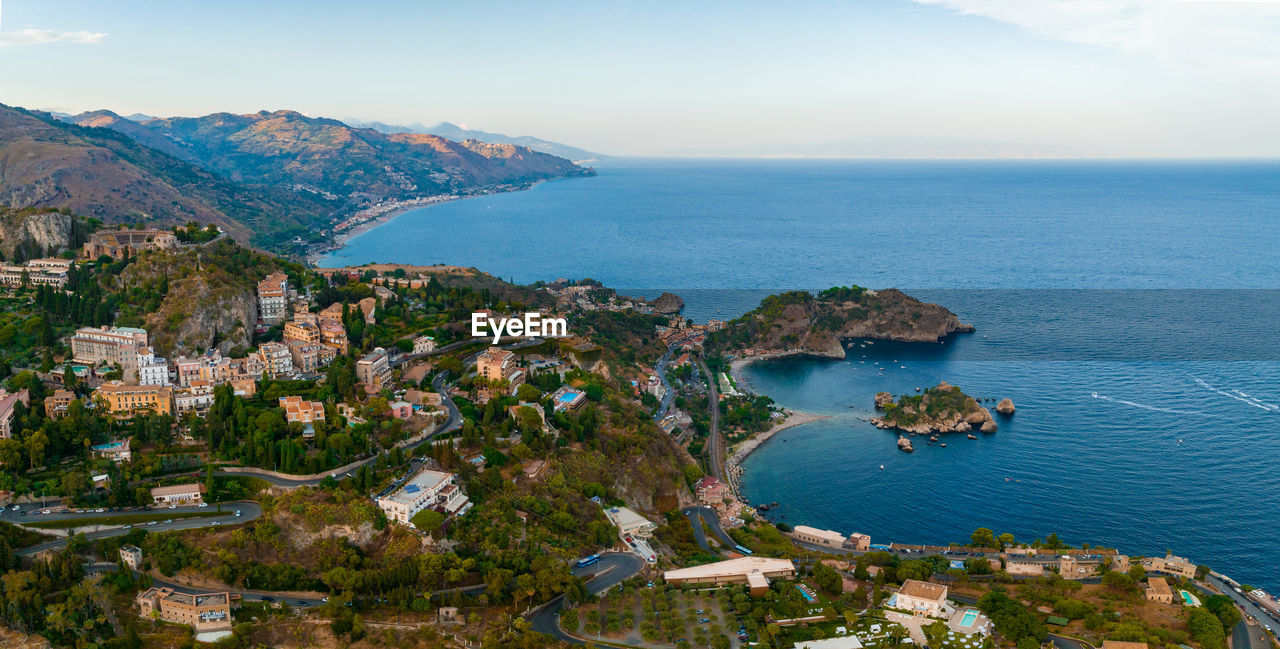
pixel 629 522
pixel 179 494
pixel 112 345
pixel 427 490
pixel 921 598
pixel 273 298
pixel 131 555
pixel 152 369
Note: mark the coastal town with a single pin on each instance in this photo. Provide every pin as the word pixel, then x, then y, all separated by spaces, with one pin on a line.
pixel 354 458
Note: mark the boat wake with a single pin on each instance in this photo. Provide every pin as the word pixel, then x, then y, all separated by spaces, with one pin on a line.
pixel 1144 406
pixel 1238 396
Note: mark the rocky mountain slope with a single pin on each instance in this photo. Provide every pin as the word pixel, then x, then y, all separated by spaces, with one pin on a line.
pixel 101 173
pixel 815 324
pixel 27 234
pixel 460 133
pixel 350 166
pixel 209 296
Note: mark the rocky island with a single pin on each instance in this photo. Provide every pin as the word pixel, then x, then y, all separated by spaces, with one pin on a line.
pixel 940 409
pixel 801 322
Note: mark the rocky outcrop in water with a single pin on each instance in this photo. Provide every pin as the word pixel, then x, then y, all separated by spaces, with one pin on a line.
pixel 1005 407
pixel 668 304
pixel 940 409
pixel 883 399
pixel 904 445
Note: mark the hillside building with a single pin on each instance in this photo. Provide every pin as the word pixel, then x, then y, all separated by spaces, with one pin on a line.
pixel 922 598
pixel 374 369
pixel 205 611
pixel 273 298
pixel 428 490
pixel 112 345
pixel 755 572
pixel 130 400
pixel 119 244
pixel 8 409
pixel 182 494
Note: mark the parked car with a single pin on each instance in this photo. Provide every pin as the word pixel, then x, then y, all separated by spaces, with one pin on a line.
pixel 168 520
pixel 204 504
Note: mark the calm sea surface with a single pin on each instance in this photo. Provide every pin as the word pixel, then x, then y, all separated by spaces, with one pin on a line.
pixel 1108 296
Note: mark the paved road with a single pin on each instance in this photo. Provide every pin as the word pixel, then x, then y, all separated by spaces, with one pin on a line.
pixel 669 394
pixel 249 510
pixel 717 443
pixel 698 515
pixel 1250 607
pixel 612 569
pixel 246 595
pixel 452 421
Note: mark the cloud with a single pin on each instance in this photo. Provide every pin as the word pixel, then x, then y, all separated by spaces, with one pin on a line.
pixel 1197 32
pixel 42 36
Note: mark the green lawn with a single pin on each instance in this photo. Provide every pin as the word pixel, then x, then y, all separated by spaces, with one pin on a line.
pixel 118 519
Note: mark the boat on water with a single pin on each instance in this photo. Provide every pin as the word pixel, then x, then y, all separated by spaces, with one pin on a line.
pixel 943 445
pixel 882 467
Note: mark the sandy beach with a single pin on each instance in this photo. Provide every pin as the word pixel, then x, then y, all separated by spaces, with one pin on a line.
pixel 740 451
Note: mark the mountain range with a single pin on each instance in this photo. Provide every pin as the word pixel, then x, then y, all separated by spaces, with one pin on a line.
pixel 459 133
pixel 268 177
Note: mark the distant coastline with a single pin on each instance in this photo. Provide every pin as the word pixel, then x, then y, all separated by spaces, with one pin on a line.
pixel 388 212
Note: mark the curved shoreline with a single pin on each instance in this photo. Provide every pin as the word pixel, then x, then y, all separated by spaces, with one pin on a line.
pixel 394 211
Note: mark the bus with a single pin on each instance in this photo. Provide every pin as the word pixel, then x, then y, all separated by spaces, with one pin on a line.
pixel 583 563
pixel 743 550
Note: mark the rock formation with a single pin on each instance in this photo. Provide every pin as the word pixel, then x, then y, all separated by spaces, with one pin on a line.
pixel 35 235
pixel 1005 407
pixel 883 399
pixel 904 444
pixel 817 324
pixel 940 409
pixel 668 304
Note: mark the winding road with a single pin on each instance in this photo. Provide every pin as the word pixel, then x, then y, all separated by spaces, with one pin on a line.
pixel 452 421
pixel 699 515
pixel 612 569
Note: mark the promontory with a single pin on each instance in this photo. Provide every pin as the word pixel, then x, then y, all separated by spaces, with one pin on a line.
pixel 801 322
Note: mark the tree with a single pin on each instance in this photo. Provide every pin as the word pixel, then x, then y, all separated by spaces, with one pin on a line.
pixel 1225 609
pixel 1137 572
pixel 983 538
pixel 977 566
pixel 828 579
pixel 1206 628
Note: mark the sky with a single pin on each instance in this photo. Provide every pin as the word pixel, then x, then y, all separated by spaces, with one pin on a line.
pixel 1127 78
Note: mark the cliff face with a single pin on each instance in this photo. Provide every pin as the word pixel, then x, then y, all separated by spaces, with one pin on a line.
pixel 940 409
pixel 812 324
pixel 34 234
pixel 209 296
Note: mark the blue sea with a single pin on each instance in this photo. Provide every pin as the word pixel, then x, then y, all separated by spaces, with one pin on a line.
pixel 1129 309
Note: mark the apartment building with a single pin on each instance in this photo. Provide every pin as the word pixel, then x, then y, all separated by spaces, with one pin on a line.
pixel 119 345
pixel 56 404
pixel 374 369
pixel 427 490
pixel 197 397
pixel 8 409
pixel 151 369
pixel 333 334
pixel 129 400
pixel 273 298
pixel 276 359
pixel 496 364
pixel 303 331
pixel 203 611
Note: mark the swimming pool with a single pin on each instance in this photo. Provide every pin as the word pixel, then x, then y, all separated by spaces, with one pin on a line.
pixel 807 596
pixel 1189 599
pixel 568 397
pixel 969 618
